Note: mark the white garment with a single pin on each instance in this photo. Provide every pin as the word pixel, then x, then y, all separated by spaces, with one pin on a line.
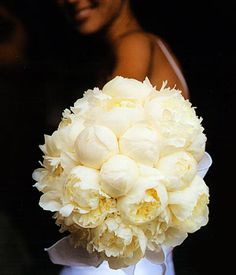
pixel 143 267
pixel 173 64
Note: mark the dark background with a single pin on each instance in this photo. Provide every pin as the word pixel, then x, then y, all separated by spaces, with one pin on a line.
pixel 58 67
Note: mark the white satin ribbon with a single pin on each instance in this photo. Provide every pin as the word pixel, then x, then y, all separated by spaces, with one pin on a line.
pixel 64 253
pixel 204 165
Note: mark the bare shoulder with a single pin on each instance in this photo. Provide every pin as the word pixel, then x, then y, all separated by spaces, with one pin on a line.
pixel 133 55
pixel 136 46
pixel 138 40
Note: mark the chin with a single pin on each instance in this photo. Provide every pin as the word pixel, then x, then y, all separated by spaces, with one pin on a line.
pixel 86 30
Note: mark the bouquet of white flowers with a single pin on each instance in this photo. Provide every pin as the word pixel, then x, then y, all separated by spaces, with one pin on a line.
pixel 121 172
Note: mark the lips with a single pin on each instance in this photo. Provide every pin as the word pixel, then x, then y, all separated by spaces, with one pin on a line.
pixel 84 13
pixel 77 13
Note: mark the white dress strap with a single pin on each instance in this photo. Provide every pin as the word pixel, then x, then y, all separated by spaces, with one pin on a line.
pixel 172 63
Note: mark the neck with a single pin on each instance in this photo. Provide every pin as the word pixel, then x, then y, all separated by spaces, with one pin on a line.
pixel 125 22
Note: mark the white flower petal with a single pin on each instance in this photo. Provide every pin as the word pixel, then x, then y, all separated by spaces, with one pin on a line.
pixel 128 88
pixel 50 201
pixel 66 210
pixel 179 168
pixel 118 175
pixel 189 206
pixel 144 202
pixel 95 145
pixel 120 118
pixel 142 144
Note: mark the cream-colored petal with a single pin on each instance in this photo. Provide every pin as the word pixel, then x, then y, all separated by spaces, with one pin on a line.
pixel 141 144
pixel 118 175
pixel 50 201
pixel 66 210
pixel 120 118
pixel 182 203
pixel 95 145
pixel 179 168
pixel 144 202
pixel 127 88
pixel 174 237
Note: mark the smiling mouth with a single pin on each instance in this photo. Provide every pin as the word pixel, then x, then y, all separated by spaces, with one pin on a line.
pixel 83 14
pixel 80 14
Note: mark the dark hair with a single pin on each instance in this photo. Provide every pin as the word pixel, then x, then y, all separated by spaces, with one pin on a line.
pixel 146 13
pixel 16 7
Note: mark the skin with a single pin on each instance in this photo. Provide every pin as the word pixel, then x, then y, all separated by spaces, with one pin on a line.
pixel 137 53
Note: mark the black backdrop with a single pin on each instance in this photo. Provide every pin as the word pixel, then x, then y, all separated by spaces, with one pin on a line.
pixel 34 94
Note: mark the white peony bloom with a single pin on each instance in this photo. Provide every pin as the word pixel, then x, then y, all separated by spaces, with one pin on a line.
pixel 189 206
pixel 118 175
pixel 120 241
pixel 95 145
pixel 146 200
pixel 48 181
pixel 176 121
pixel 59 147
pixel 198 145
pixel 141 144
pixel 82 189
pixel 179 169
pixel 172 103
pixel 91 99
pixel 174 237
pixel 83 197
pixel 51 185
pixel 128 88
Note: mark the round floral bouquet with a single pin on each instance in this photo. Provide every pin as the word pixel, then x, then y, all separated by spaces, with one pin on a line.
pixel 121 172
